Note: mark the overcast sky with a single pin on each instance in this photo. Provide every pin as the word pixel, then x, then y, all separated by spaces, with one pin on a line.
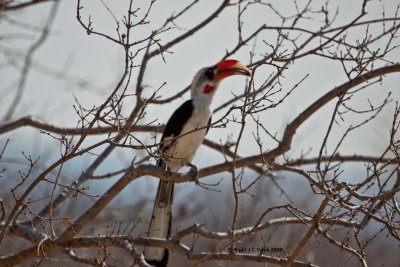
pixel 93 65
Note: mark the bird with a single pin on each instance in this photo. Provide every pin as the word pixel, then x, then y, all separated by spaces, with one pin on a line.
pixel 182 136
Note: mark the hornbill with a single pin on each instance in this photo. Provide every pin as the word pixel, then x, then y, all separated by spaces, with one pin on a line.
pixel 182 136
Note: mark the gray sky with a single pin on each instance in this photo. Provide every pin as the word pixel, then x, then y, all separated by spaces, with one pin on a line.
pixel 100 63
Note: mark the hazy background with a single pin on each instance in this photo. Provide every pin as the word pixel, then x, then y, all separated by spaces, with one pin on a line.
pixel 73 65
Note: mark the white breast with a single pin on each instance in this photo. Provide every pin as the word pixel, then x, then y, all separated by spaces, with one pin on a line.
pixel 182 152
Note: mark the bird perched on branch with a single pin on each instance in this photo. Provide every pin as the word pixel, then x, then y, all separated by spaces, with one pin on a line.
pixel 183 134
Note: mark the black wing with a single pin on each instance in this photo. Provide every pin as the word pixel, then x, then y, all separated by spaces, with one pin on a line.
pixel 175 124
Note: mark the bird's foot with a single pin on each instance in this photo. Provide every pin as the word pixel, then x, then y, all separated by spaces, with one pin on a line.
pixel 165 169
pixel 194 173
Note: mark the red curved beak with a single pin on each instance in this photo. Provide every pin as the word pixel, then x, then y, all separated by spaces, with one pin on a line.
pixel 229 67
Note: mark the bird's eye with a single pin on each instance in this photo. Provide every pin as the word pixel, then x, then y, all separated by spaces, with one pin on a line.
pixel 210 73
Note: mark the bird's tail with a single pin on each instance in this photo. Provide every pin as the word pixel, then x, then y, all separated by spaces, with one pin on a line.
pixel 160 224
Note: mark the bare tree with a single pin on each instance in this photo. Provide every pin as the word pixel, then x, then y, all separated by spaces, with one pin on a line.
pixel 335 196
